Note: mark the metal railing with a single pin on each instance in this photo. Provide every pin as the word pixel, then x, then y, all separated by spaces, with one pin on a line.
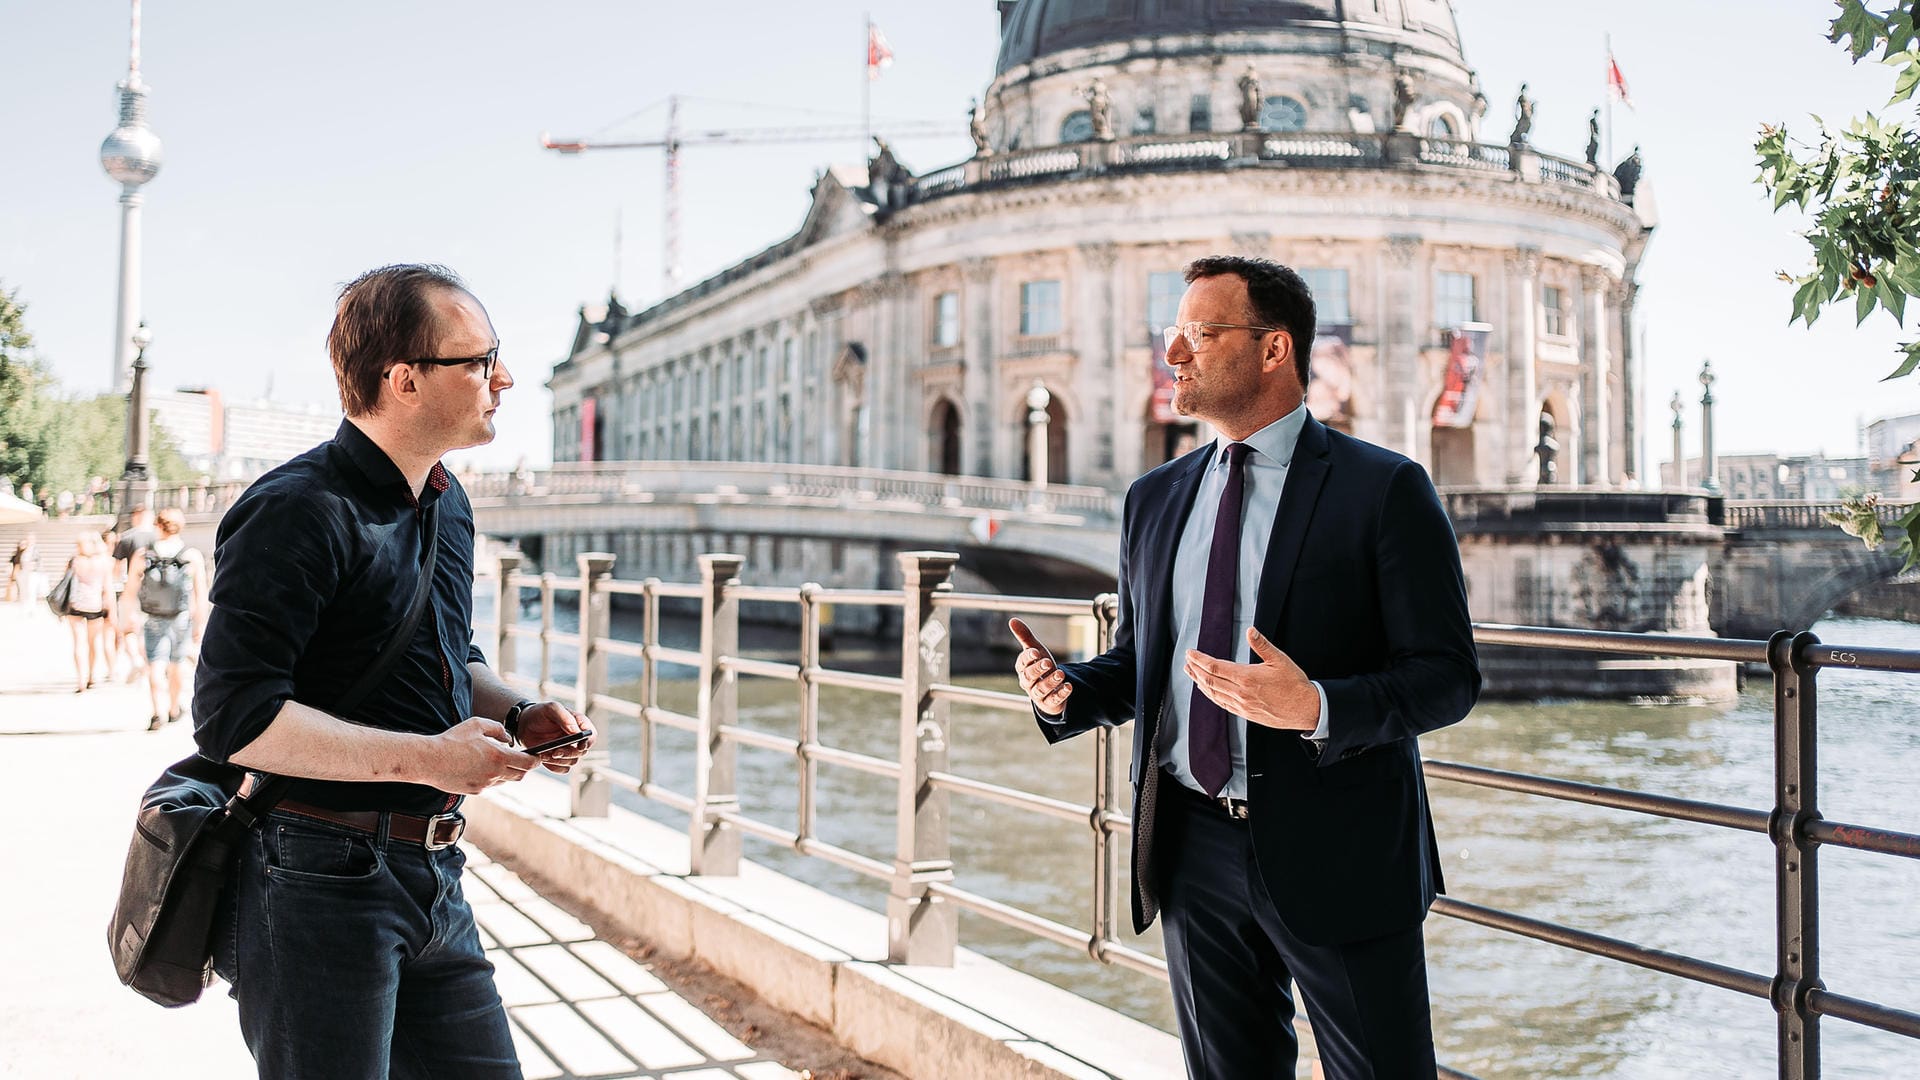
pixel 925 887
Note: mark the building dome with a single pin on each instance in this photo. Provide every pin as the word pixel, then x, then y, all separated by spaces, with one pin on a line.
pixel 1036 29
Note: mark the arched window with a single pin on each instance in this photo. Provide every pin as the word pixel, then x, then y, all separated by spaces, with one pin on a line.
pixel 1283 114
pixel 1077 127
pixel 1441 127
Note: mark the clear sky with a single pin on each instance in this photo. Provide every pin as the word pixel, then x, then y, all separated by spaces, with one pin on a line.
pixel 305 143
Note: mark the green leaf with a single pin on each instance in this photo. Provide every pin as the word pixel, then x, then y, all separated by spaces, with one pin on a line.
pixel 1805 298
pixel 1863 26
pixel 1892 297
pixel 1909 523
pixel 1863 300
pixel 1912 361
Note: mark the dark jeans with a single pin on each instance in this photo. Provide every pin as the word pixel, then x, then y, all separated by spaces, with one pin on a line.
pixel 1230 960
pixel 354 959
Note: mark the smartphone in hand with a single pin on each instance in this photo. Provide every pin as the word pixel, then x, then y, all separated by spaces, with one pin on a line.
pixel 555 744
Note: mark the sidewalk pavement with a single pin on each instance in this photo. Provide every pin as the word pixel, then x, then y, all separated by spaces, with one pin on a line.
pixel 78 763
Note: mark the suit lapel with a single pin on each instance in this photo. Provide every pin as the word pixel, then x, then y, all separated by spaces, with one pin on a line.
pixel 1305 476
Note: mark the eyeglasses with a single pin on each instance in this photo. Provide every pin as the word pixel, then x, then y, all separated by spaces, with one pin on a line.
pixel 1192 331
pixel 486 362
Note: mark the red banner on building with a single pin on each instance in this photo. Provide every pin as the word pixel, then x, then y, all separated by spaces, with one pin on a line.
pixel 1330 375
pixel 587 407
pixel 1460 393
pixel 1161 409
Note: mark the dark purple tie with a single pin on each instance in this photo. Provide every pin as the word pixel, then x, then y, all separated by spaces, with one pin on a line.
pixel 1208 755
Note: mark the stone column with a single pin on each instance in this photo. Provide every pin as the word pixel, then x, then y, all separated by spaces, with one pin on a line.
pixel 715 845
pixel 1595 363
pixel 1400 335
pixel 1625 293
pixel 1523 390
pixel 1097 337
pixel 922 928
pixel 977 378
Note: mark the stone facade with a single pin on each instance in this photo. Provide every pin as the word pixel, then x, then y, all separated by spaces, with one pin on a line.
pixel 905 323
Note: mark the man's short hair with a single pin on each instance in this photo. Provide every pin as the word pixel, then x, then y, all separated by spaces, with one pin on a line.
pixel 1279 297
pixel 170 521
pixel 384 317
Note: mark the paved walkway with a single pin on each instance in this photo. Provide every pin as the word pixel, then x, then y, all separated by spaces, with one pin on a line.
pixel 76 764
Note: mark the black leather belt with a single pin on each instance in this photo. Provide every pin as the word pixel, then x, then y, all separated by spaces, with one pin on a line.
pixel 1220 804
pixel 432 833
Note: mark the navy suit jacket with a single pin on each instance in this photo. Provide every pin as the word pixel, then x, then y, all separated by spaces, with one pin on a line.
pixel 1362 588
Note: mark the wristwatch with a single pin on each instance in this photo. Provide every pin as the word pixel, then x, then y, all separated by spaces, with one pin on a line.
pixel 512 721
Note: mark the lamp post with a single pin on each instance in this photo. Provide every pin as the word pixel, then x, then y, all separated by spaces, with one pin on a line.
pixel 1709 469
pixel 1679 452
pixel 1037 401
pixel 136 480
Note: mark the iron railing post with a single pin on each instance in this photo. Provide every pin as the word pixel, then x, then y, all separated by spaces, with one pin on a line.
pixel 808 735
pixel 506 614
pixel 1797 885
pixel 592 796
pixel 716 845
pixel 649 674
pixel 922 928
pixel 546 635
pixel 1107 770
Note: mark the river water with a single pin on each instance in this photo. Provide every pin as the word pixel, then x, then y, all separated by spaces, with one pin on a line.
pixel 1505 1008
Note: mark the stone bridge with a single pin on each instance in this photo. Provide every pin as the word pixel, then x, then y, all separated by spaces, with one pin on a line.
pixel 1593 558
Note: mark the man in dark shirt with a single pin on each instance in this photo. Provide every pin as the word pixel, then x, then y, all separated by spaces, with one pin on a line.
pixel 350 947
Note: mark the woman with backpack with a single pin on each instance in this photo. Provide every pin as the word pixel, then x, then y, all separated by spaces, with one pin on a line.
pixel 171 583
pixel 86 615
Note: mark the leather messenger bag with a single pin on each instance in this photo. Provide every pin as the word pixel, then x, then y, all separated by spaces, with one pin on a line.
pixel 191 822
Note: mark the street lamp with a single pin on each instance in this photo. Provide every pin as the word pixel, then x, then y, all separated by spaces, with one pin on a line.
pixel 1037 401
pixel 1709 468
pixel 136 480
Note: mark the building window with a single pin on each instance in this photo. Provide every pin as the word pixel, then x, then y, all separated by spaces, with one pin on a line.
pixel 760 369
pixel 1553 300
pixel 789 369
pixel 1164 290
pixel 1283 114
pixel 1441 127
pixel 1077 127
pixel 1329 288
pixel 1144 122
pixel 946 319
pixel 738 385
pixel 1200 113
pixel 1453 304
pixel 1040 307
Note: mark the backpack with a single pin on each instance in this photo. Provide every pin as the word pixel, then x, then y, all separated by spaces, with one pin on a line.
pixel 164 584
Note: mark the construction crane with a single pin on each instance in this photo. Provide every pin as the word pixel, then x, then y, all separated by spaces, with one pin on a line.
pixel 674 139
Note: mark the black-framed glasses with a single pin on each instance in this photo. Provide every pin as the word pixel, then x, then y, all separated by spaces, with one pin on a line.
pixel 487 362
pixel 1191 331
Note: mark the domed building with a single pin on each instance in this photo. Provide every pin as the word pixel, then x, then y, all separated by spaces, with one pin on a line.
pixel 1475 294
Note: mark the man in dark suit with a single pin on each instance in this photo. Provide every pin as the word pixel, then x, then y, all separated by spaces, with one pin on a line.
pixel 1280 815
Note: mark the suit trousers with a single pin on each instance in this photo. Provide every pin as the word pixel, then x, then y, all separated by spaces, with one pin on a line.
pixel 1231 959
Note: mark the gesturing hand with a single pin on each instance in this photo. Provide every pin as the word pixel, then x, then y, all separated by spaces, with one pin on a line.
pixel 1274 693
pixel 1046 685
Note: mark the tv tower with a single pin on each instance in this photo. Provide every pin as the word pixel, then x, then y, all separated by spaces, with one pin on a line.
pixel 131 156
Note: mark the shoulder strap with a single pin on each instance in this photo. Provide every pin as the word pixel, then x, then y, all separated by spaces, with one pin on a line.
pixel 253 806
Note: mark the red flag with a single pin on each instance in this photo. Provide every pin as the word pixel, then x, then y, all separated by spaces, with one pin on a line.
pixel 1617 83
pixel 879 53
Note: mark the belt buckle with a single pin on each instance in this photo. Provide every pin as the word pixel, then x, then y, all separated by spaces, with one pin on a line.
pixel 433 841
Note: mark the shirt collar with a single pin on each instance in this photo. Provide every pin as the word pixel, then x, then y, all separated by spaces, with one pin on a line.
pixel 379 469
pixel 1276 441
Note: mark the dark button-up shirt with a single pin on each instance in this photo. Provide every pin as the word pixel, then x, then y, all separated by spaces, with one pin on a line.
pixel 314 568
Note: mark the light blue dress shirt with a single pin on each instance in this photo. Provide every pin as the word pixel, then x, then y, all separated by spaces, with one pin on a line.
pixel 1264 478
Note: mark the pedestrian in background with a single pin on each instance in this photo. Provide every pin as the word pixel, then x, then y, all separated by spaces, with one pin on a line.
pixel 169 583
pixel 86 614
